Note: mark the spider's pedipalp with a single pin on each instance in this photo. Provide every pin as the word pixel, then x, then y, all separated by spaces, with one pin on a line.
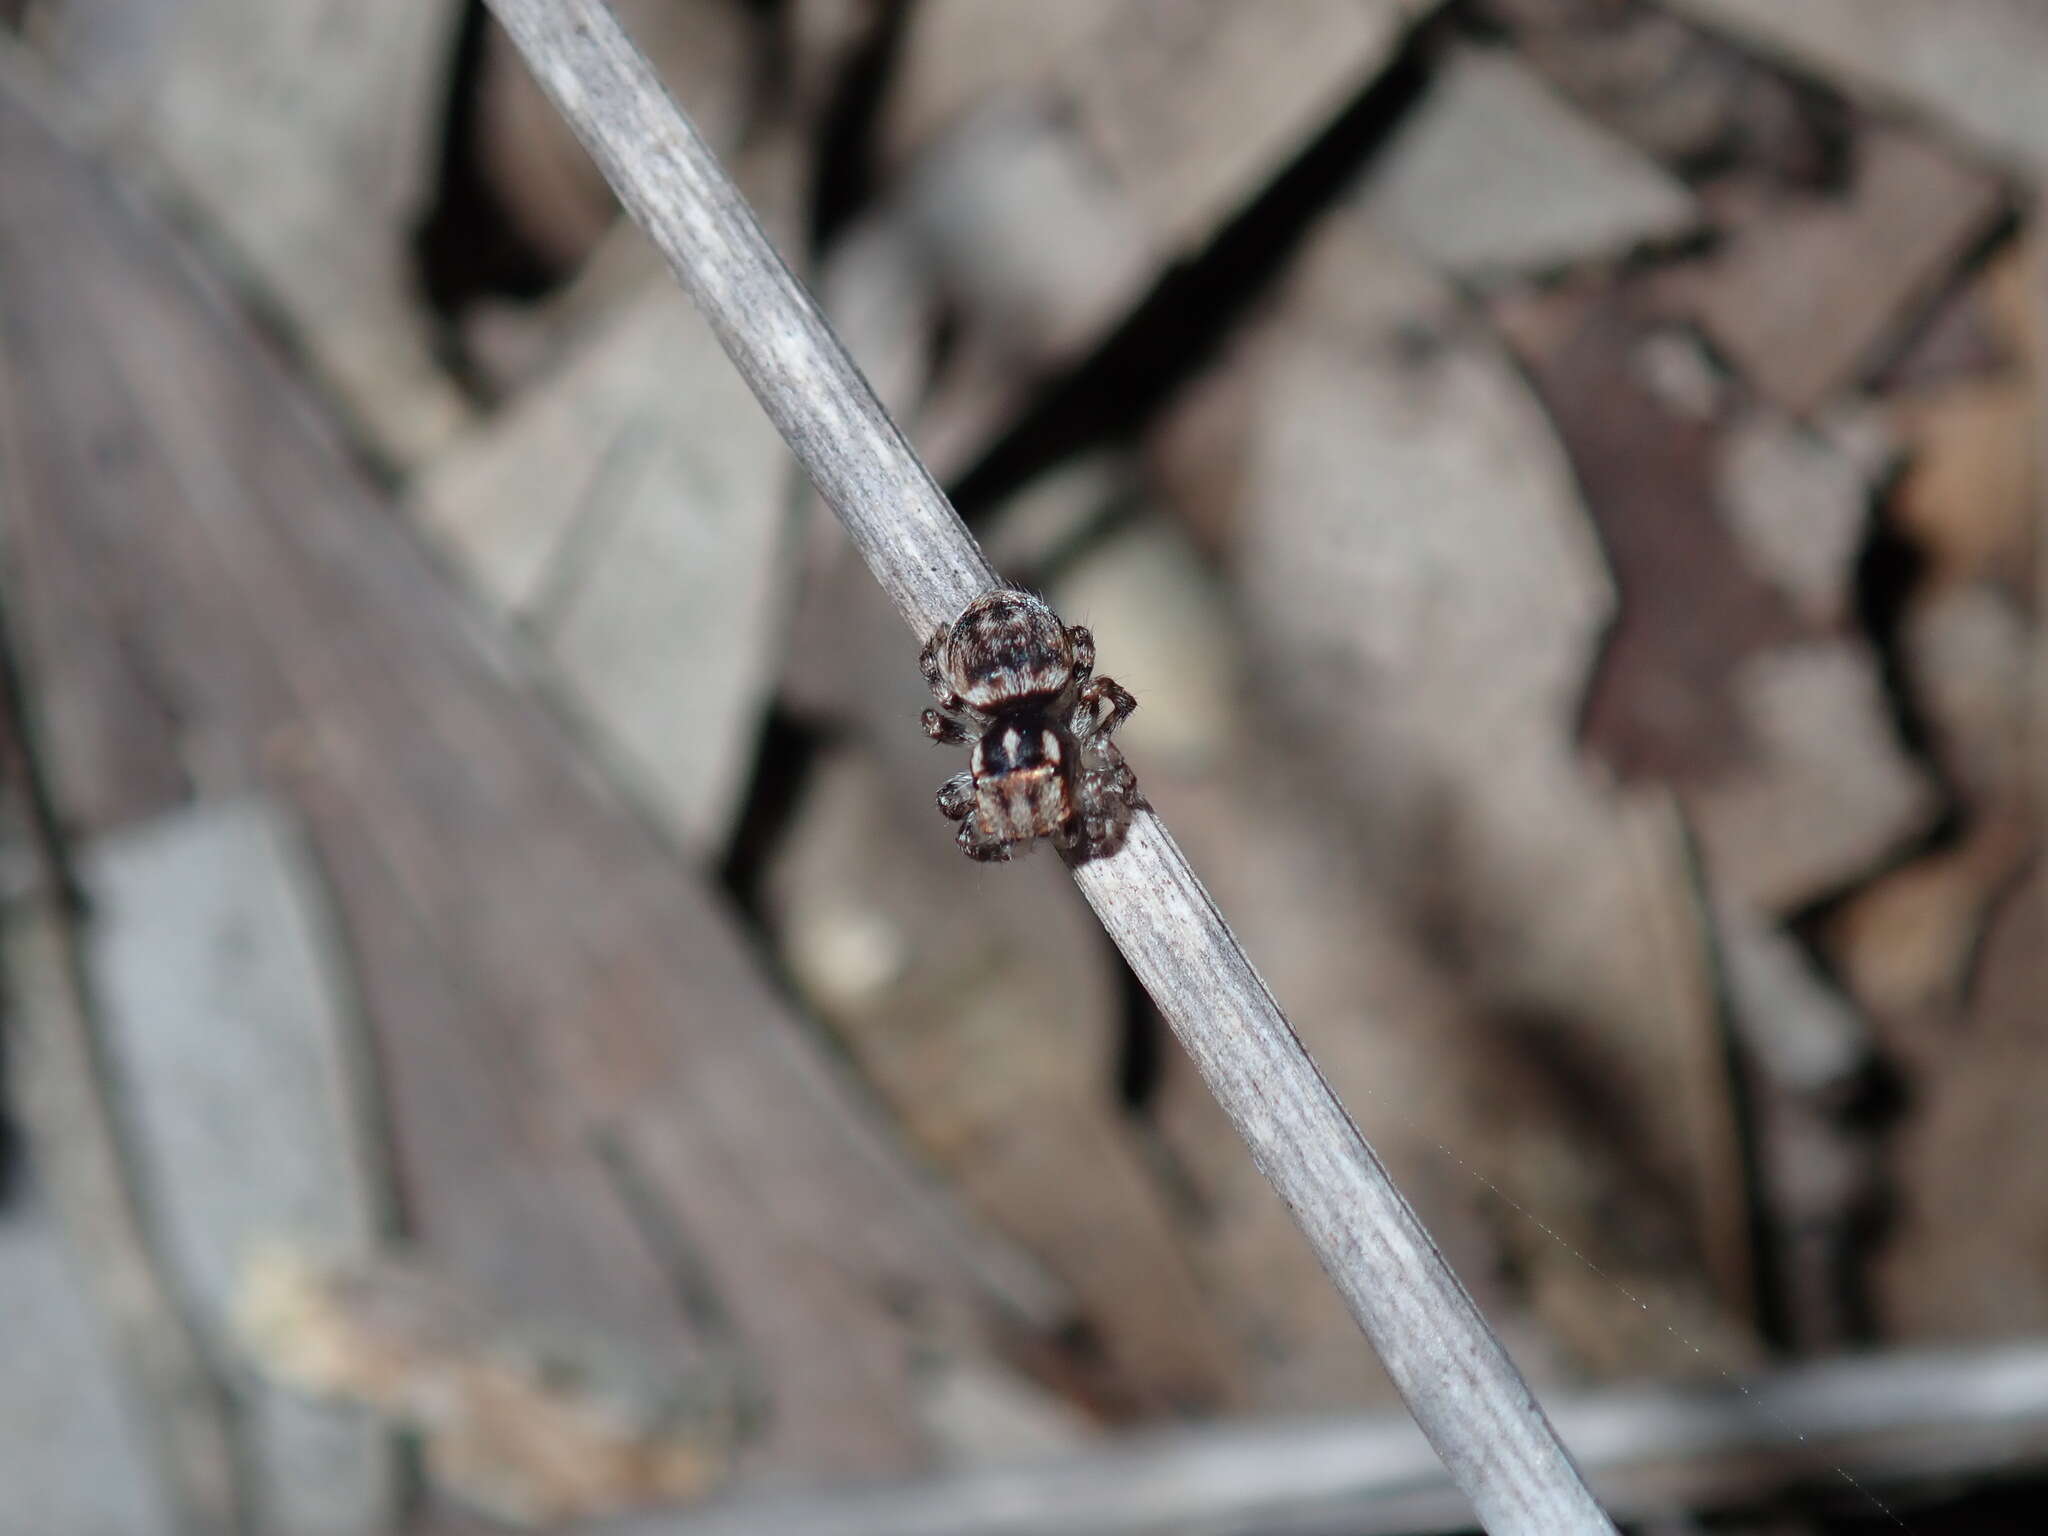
pixel 929 663
pixel 945 730
pixel 1082 639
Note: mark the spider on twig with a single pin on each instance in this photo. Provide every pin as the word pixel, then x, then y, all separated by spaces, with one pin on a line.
pixel 1043 763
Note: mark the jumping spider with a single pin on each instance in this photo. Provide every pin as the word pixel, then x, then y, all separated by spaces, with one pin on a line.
pixel 1043 762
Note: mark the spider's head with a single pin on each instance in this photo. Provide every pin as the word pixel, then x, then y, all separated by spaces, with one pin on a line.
pixel 1005 647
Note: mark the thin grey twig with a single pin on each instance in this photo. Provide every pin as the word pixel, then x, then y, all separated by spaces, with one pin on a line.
pixel 1458 1382
pixel 1893 1420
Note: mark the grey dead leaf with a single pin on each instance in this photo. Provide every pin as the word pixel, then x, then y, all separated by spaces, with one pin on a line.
pixel 1826 793
pixel 1053 160
pixel 633 511
pixel 1974 65
pixel 303 136
pixel 1800 503
pixel 349 680
pixel 1805 303
pixel 239 1074
pixel 70 1452
pixel 1491 173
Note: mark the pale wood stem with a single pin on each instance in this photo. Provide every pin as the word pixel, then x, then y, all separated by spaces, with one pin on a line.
pixel 1456 1379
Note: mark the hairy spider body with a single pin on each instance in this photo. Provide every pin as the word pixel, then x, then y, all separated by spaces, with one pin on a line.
pixel 1043 763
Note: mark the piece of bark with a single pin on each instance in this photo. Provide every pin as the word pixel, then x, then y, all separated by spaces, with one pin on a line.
pixel 1490 173
pixel 985 1011
pixel 1804 300
pixel 72 1456
pixel 596 1099
pixel 241 1089
pixel 632 511
pixel 1973 65
pixel 303 138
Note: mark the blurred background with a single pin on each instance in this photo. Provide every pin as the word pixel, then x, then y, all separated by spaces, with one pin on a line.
pixel 496 1033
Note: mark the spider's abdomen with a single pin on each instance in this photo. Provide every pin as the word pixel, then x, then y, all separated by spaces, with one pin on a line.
pixel 1018 745
pixel 1022 781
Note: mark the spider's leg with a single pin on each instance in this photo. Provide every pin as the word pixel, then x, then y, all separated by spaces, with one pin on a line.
pixel 944 729
pixel 1105 798
pixel 1088 715
pixel 1083 641
pixel 928 664
pixel 977 844
pixel 956 797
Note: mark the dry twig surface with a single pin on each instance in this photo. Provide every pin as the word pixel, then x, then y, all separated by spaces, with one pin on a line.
pixel 1648 1449
pixel 1465 1393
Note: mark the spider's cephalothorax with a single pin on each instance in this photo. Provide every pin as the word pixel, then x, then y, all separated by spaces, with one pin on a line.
pixel 1043 763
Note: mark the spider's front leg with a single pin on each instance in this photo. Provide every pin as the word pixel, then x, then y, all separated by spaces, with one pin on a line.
pixel 1088 719
pixel 956 797
pixel 945 730
pixel 928 664
pixel 1082 639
